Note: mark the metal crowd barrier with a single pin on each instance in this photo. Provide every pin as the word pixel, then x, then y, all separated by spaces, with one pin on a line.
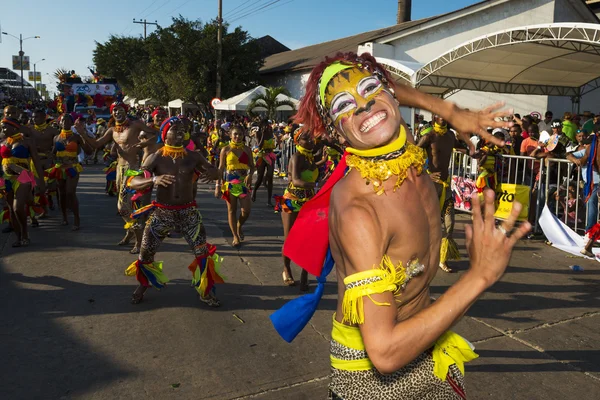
pixel 547 178
pixel 288 148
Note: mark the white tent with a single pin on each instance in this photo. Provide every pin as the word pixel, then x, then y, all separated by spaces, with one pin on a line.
pixel 241 101
pixel 130 101
pixel 180 107
pixel 149 102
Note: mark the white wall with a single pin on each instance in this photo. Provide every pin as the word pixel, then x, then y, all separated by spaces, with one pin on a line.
pixel 294 81
pixel 427 44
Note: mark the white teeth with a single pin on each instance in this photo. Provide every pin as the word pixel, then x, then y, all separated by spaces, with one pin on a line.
pixel 371 122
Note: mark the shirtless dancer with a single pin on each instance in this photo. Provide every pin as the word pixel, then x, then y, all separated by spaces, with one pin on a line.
pixel 172 171
pixel 44 136
pixel 389 340
pixel 125 134
pixel 439 144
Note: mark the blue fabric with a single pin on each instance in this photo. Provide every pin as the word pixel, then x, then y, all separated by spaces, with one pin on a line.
pixel 151 278
pixel 589 178
pixel 60 146
pixel 592 210
pixel 20 151
pixel 290 319
pixel 579 154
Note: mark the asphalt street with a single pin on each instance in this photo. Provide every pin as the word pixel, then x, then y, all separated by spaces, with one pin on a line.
pixel 69 332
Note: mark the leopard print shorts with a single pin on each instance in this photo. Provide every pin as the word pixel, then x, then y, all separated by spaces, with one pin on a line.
pixel 414 381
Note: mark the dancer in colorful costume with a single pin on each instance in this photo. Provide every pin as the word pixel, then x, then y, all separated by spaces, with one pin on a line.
pixel 265 159
pixel 44 136
pixel 19 159
pixel 490 164
pixel 303 173
pixel 66 171
pixel 378 220
pixel 126 135
pixel 171 170
pixel 440 142
pixel 238 167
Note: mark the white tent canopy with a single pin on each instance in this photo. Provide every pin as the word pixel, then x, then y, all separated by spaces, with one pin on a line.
pixel 552 59
pixel 149 102
pixel 241 101
pixel 130 101
pixel 181 106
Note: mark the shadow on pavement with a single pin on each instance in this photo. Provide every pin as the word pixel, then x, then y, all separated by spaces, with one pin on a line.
pixel 39 358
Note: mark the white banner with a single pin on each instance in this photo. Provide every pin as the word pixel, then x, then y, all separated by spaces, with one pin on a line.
pixel 92 89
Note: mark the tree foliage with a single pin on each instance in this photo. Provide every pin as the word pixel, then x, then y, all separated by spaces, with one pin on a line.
pixel 180 61
pixel 269 101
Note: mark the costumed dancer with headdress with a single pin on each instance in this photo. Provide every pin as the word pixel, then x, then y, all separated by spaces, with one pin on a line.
pixel 126 135
pixel 237 167
pixel 265 159
pixel 44 135
pixel 490 164
pixel 67 168
pixel 440 142
pixel 303 174
pixel 171 170
pixel 17 180
pixel 378 220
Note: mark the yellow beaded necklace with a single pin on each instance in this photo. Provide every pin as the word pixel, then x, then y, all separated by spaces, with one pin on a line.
pixel 380 164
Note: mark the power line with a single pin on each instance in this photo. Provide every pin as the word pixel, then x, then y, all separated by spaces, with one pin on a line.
pixel 146 9
pixel 279 5
pixel 171 13
pixel 164 4
pixel 241 4
pixel 256 10
pixel 245 9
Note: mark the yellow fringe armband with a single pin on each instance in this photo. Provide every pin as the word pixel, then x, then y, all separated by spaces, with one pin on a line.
pixel 386 278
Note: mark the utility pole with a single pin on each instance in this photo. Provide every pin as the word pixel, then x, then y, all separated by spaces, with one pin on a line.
pixel 21 54
pixel 145 23
pixel 219 48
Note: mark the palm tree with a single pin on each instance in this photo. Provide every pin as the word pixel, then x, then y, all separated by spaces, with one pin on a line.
pixel 269 101
pixel 61 75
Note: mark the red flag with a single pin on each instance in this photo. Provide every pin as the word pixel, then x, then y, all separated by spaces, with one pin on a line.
pixel 308 240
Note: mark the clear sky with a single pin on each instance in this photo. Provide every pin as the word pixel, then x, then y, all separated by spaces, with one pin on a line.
pixel 69 30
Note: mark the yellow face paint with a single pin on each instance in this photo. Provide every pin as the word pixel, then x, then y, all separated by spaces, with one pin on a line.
pixel 349 90
pixel 186 136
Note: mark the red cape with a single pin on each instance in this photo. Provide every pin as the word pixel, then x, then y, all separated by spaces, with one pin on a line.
pixel 308 240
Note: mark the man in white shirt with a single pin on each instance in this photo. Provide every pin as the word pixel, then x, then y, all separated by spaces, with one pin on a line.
pixel 545 124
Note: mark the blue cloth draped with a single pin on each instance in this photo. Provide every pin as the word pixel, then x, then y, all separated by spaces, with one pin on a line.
pixel 589 179
pixel 290 319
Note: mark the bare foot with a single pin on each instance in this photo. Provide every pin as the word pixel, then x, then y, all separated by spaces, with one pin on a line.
pixel 125 241
pixel 287 279
pixel 210 300
pixel 236 242
pixel 75 228
pixel 138 295
pixel 135 250
pixel 444 267
pixel 587 253
pixel 240 232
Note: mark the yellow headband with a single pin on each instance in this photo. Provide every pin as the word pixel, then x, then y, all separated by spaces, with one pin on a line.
pixel 331 71
pixel 379 151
